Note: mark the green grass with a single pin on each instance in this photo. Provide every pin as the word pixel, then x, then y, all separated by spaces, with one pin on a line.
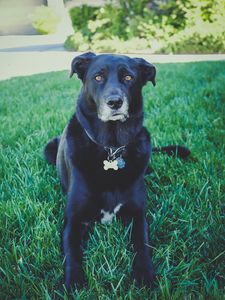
pixel 184 198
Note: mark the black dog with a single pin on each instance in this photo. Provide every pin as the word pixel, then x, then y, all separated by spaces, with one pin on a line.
pixel 102 157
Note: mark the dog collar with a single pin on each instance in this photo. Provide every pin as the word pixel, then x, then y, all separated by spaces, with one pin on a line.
pixel 114 160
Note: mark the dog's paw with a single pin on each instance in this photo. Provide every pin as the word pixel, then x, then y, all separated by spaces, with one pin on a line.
pixel 143 272
pixel 74 279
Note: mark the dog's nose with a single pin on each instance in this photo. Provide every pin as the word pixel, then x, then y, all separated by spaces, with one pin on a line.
pixel 115 103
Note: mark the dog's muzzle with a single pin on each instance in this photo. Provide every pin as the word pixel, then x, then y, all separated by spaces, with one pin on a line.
pixel 113 108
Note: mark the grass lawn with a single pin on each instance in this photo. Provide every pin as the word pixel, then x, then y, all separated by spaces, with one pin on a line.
pixel 184 198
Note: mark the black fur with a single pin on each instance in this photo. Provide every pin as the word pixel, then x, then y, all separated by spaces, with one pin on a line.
pixel 50 151
pixel 80 151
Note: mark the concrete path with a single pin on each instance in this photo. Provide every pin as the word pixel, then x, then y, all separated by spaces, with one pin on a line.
pixel 27 55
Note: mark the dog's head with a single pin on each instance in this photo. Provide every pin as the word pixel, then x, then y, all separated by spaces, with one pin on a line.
pixel 113 83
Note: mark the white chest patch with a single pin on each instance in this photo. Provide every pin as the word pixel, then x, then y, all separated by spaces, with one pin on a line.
pixel 107 217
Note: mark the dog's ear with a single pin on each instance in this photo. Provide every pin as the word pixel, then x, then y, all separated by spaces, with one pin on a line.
pixel 148 71
pixel 81 63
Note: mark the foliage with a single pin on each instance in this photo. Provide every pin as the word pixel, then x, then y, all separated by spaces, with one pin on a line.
pixel 77 42
pixel 45 20
pixel 80 16
pixel 185 199
pixel 205 31
pixel 190 41
pixel 117 45
pixel 176 26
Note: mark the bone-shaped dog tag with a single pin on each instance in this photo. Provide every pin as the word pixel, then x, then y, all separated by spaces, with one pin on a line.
pixel 110 165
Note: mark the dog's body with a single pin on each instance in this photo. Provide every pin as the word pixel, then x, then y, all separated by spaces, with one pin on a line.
pixel 102 156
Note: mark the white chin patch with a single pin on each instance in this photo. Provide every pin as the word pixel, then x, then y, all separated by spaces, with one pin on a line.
pixel 105 114
pixel 119 117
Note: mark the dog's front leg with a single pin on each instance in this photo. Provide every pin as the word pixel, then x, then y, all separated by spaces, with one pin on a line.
pixel 72 242
pixel 72 248
pixel 143 270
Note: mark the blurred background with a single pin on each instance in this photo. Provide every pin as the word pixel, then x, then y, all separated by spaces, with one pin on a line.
pixel 132 26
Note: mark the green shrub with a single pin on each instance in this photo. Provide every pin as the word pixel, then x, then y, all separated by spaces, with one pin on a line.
pixel 192 26
pixel 45 20
pixel 76 42
pixel 204 33
pixel 191 41
pixel 109 20
pixel 81 15
pixel 117 45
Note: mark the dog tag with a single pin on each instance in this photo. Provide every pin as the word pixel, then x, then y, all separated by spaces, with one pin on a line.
pixel 121 163
pixel 112 164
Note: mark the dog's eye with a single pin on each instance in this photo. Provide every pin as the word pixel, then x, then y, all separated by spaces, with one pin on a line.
pixel 98 78
pixel 128 78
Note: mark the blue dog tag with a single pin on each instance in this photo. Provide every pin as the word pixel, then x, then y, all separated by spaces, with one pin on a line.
pixel 121 163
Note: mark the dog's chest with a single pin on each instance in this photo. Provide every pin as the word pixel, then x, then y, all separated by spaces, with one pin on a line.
pixel 107 216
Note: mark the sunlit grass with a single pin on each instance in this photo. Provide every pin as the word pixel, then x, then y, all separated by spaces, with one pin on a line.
pixel 185 198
